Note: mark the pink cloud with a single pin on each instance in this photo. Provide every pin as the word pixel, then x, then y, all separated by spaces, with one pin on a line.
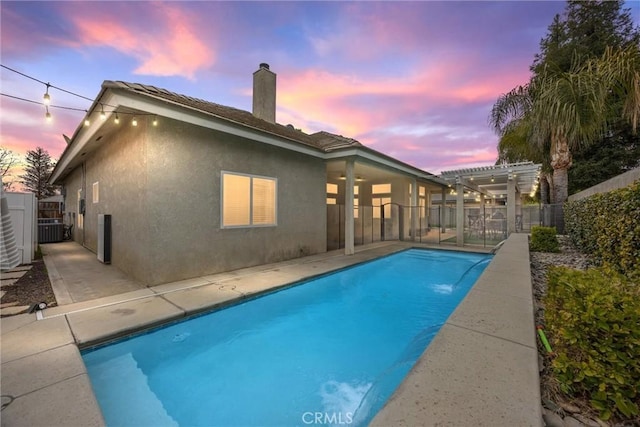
pixel 24 128
pixel 166 45
pixel 398 115
pixel 356 105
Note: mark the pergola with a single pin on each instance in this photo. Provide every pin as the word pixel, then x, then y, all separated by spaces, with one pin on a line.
pixel 509 181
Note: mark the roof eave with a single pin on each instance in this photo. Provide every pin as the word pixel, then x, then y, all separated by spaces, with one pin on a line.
pixel 376 156
pixel 63 161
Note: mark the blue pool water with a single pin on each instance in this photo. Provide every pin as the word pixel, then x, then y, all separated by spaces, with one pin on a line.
pixel 330 351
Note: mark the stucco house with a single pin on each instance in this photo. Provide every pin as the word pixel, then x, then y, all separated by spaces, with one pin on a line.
pixel 196 188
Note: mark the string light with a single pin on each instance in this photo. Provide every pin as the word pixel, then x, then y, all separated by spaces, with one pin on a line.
pixel 46 84
pixel 41 103
pixel 86 121
pixel 46 101
pixel 47 97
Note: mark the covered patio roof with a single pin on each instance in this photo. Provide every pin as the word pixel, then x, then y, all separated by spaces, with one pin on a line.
pixel 493 180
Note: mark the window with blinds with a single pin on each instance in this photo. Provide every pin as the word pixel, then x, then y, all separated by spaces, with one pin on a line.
pixel 248 200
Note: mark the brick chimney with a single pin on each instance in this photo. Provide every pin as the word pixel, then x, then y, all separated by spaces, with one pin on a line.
pixel 264 94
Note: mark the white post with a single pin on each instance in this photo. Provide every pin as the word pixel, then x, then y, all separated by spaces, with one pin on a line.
pixel 511 205
pixel 459 214
pixel 415 210
pixel 443 207
pixel 349 227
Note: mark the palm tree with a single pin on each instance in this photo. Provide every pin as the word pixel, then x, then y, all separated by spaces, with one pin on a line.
pixel 566 110
pixel 514 147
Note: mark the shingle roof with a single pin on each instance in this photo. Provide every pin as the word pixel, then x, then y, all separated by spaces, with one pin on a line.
pixel 324 141
pixel 328 141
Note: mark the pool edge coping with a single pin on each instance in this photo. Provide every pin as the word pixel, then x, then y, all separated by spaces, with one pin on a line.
pixel 491 349
pixel 364 255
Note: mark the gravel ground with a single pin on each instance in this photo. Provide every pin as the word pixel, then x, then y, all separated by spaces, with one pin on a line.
pixel 33 287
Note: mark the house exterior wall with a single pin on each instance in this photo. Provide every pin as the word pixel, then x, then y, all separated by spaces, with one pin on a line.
pixel 119 166
pixel 401 218
pixel 72 183
pixel 182 211
pixel 162 186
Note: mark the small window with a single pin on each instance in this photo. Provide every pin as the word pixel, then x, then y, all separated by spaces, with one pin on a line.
pixel 96 192
pixel 381 188
pixel 356 211
pixel 332 188
pixel 80 209
pixel 331 200
pixel 248 200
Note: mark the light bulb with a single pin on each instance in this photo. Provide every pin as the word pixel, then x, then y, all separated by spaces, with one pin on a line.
pixel 155 121
pixel 117 119
pixel 103 116
pixel 47 97
pixel 47 116
pixel 87 122
pixel 134 122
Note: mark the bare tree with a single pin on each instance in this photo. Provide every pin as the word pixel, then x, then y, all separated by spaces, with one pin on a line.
pixel 7 161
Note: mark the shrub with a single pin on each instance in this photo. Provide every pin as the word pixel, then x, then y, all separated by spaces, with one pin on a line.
pixel 593 322
pixel 543 239
pixel 606 226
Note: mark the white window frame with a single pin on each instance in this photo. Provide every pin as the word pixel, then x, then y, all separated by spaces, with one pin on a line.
pixel 95 192
pixel 251 176
pixel 356 201
pixel 381 198
pixel 80 220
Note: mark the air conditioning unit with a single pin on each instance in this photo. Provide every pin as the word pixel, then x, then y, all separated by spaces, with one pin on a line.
pixel 104 238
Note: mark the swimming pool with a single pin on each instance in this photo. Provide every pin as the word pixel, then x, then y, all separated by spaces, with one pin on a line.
pixel 330 351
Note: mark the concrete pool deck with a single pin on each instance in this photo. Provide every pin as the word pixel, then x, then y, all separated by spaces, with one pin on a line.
pixel 481 369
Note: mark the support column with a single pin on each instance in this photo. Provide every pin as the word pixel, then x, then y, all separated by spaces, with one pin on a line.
pixel 349 230
pixel 443 208
pixel 511 205
pixel 414 210
pixel 459 214
pixel 427 208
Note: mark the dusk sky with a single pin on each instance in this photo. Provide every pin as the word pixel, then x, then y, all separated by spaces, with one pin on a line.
pixel 413 80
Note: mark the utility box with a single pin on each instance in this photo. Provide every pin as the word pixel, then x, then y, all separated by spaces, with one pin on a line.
pixel 104 238
pixel 50 230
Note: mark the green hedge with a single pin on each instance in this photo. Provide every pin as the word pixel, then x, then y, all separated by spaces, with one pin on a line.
pixel 543 239
pixel 593 322
pixel 607 226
